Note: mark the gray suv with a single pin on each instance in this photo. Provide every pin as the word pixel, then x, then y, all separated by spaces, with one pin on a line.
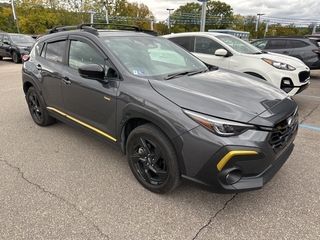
pixel 174 117
pixel 304 48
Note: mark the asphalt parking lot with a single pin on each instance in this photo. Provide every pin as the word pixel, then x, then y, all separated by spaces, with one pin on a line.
pixel 59 183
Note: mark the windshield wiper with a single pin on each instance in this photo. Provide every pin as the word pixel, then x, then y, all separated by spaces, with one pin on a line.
pixel 179 74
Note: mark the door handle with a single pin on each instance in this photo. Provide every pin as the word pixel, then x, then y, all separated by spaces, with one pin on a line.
pixel 66 80
pixel 285 52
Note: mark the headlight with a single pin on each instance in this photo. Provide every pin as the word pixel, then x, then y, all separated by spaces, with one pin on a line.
pixel 218 126
pixel 279 65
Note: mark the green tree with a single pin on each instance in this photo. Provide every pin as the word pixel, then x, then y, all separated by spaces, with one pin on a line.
pixel 7 23
pixel 188 17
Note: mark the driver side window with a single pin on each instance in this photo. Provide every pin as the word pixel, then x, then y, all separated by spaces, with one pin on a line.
pixel 206 45
pixel 81 53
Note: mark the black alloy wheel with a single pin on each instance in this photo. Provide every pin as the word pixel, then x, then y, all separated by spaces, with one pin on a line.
pixel 152 159
pixel 15 57
pixel 37 109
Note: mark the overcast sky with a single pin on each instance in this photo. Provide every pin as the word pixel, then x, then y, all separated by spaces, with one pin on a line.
pixel 288 10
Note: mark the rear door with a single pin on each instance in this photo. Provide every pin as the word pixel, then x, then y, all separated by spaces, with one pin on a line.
pixel 49 65
pixel 303 51
pixel 282 46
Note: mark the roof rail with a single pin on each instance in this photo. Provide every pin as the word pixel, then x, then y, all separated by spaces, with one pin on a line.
pixel 60 29
pixel 291 36
pixel 92 28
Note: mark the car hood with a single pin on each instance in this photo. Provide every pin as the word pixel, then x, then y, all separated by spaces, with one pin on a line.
pixel 222 93
pixel 295 62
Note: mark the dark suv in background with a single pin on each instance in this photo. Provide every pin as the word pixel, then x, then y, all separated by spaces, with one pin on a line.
pixel 14 45
pixel 304 48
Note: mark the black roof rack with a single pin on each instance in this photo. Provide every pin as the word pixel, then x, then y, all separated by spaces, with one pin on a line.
pixel 92 28
pixel 60 29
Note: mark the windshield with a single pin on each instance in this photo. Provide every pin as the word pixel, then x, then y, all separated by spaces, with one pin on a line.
pixel 153 57
pixel 22 39
pixel 239 45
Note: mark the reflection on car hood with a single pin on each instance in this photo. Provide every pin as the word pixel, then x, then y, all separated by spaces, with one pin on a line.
pixel 223 93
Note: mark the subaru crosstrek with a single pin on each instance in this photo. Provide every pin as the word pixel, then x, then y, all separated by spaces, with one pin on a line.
pixel 174 117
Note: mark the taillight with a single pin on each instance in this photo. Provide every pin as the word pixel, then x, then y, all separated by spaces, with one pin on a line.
pixel 25 58
pixel 317 51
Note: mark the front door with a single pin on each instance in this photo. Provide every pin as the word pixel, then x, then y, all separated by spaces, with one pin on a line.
pixel 89 102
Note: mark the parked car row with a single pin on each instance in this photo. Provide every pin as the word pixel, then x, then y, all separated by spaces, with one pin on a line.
pixel 174 116
pixel 287 73
pixel 15 46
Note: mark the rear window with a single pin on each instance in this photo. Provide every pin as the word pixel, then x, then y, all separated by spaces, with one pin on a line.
pixel 315 42
pixel 183 42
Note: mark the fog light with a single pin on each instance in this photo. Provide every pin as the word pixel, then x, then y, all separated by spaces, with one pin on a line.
pixel 233 176
pixel 286 82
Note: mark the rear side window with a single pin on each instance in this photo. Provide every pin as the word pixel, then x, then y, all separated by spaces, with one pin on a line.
pixel 299 44
pixel 277 44
pixel 39 47
pixel 55 51
pixel 183 42
pixel 313 41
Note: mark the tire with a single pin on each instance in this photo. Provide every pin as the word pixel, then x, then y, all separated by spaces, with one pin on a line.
pixel 37 108
pixel 152 159
pixel 0 58
pixel 15 57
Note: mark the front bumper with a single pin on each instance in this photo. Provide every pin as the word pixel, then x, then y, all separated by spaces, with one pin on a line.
pixel 247 183
pixel 291 82
pixel 239 163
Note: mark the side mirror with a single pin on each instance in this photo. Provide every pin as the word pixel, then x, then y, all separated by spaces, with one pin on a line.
pixel 92 71
pixel 212 67
pixel 6 42
pixel 221 52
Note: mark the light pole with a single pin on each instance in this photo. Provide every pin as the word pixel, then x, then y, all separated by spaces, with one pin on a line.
pixel 15 16
pixel 169 23
pixel 106 6
pixel 203 15
pixel 257 25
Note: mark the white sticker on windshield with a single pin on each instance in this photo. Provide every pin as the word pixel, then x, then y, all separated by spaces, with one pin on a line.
pixel 136 72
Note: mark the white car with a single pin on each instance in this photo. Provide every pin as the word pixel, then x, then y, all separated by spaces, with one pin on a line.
pixel 226 51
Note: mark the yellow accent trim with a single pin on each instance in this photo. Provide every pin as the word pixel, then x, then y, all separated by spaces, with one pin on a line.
pixel 231 154
pixel 83 124
pixel 106 98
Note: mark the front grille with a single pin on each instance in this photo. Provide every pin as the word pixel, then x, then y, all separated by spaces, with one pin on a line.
pixel 304 76
pixel 284 132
